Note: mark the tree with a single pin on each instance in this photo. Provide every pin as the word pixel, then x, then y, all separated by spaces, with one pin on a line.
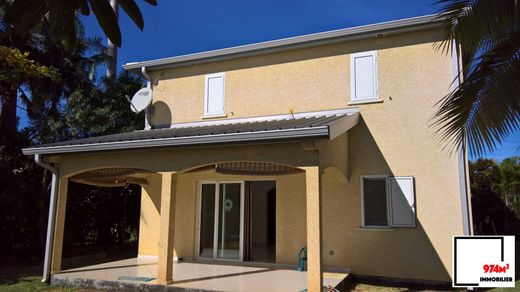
pixel 41 73
pixel 485 108
pixel 94 111
pixel 484 175
pixel 24 15
pixel 510 179
pixel 15 69
pixel 96 214
pixel 43 97
pixel 493 185
pixel 55 82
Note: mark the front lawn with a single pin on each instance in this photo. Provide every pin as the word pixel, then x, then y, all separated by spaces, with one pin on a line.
pixel 29 284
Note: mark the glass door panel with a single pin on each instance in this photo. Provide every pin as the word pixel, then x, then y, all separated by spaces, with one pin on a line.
pixel 207 221
pixel 229 221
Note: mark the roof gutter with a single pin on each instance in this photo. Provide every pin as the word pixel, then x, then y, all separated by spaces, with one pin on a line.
pixel 322 131
pixel 322 38
pixel 52 217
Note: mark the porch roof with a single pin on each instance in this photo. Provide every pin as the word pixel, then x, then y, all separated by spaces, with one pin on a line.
pixel 324 124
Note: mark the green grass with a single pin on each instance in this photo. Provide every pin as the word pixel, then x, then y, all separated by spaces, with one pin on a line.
pixel 28 277
pixel 377 288
pixel 29 284
pixel 25 278
pixel 517 286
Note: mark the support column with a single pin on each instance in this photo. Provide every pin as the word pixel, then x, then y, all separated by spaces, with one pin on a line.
pixel 314 229
pixel 59 226
pixel 167 228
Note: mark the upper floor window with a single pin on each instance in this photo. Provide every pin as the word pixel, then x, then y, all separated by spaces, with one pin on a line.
pixel 388 201
pixel 214 95
pixel 363 76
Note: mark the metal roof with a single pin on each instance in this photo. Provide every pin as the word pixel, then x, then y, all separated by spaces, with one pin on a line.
pixel 327 124
pixel 328 37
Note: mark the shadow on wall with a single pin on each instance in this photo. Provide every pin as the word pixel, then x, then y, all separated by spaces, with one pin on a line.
pixel 405 253
pixel 161 116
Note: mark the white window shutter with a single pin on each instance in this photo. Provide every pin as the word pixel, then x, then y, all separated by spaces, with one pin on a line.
pixel 214 103
pixel 363 75
pixel 402 201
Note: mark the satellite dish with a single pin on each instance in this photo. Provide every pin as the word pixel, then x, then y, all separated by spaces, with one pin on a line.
pixel 141 100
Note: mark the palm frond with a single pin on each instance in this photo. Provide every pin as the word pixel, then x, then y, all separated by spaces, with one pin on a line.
pixel 485 109
pixel 477 25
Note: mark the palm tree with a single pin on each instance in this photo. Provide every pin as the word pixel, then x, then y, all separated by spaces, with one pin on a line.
pixel 77 71
pixel 23 15
pixel 41 97
pixel 485 108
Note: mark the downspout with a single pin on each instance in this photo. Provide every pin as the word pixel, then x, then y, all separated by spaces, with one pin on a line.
pixel 148 111
pixel 52 217
pixel 462 154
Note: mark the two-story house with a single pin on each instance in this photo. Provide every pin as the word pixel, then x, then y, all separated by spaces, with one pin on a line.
pixel 321 141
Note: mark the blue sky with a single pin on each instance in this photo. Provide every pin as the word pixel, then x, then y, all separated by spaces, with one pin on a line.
pixel 188 26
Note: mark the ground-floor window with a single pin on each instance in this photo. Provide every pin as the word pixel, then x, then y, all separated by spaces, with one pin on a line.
pixel 388 201
pixel 374 201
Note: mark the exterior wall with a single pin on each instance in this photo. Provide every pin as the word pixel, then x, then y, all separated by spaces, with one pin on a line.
pixel 179 159
pixel 290 209
pixel 423 252
pixel 149 219
pixel 301 80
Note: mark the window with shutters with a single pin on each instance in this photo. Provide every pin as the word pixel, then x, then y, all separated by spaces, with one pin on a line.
pixel 363 77
pixel 387 201
pixel 214 95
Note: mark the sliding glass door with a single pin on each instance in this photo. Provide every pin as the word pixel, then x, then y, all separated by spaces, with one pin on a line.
pixel 221 220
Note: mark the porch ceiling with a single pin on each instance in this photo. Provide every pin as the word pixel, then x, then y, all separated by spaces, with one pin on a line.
pixel 325 124
pixel 250 168
pixel 112 177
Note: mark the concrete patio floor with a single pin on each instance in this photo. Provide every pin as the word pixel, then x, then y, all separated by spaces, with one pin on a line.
pixel 189 276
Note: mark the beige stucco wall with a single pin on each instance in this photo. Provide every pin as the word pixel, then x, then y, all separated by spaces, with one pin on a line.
pixel 392 138
pixel 290 209
pixel 149 219
pixel 423 252
pixel 300 80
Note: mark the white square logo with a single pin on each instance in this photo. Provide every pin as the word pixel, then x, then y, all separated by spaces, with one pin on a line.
pixel 483 261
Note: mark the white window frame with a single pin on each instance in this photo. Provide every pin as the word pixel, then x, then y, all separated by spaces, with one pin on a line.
pixel 217 184
pixel 380 176
pixel 353 98
pixel 206 96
